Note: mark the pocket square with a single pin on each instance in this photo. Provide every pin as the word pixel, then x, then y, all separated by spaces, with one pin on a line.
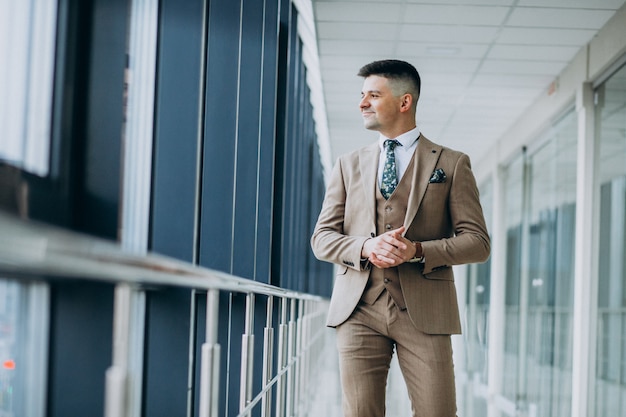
pixel 438 176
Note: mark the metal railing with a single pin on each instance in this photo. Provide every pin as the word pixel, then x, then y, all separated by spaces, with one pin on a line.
pixel 32 251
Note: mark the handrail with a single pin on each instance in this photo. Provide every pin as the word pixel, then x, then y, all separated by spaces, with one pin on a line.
pixel 33 249
pixel 38 252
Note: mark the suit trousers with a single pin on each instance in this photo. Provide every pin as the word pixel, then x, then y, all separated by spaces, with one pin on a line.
pixel 366 343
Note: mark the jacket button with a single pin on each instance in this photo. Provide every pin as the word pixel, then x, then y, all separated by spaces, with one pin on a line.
pixel 387 280
pixel 388 226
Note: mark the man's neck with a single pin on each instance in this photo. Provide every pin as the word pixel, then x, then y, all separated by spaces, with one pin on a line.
pixel 394 133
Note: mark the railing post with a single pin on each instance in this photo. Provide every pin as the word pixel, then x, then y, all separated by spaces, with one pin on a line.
pixel 210 365
pixel 247 355
pixel 282 360
pixel 305 351
pixel 291 353
pixel 300 358
pixel 268 354
pixel 123 379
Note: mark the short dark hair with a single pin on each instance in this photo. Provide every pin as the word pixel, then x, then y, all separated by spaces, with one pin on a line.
pixel 393 69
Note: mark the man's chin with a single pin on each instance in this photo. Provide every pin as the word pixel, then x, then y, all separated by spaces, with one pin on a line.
pixel 370 126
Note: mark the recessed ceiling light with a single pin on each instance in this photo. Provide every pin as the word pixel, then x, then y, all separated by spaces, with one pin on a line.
pixel 443 50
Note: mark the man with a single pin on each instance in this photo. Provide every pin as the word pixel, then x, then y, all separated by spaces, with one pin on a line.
pixel 395 218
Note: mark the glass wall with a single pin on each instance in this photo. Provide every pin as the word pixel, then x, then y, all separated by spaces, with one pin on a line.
pixel 610 384
pixel 513 185
pixel 540 223
pixel 27 41
pixel 23 348
pixel 550 262
pixel 477 317
pixel 478 297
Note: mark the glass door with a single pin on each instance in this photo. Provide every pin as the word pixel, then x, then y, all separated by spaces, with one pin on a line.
pixel 610 378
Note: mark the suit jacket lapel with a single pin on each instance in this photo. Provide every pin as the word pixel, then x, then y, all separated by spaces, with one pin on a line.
pixel 427 154
pixel 368 164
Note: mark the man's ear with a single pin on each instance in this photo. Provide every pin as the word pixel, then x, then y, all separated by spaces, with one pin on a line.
pixel 407 101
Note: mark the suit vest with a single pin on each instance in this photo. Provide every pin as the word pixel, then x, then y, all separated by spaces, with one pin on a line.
pixel 390 215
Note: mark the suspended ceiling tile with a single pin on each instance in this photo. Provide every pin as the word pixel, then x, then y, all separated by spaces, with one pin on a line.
pixel 521 67
pixel 446 34
pixel 446 65
pixel 441 50
pixel 365 3
pixel 348 64
pixel 467 2
pixel 357 31
pixel 507 80
pixel 346 12
pixel 583 4
pixel 334 75
pixel 438 80
pixel 355 47
pixel 559 18
pixel 534 53
pixel 474 114
pixel 503 92
pixel 481 66
pixel 545 36
pixel 454 14
pixel 498 104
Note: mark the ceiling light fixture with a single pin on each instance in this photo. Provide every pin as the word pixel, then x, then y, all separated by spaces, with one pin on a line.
pixel 443 50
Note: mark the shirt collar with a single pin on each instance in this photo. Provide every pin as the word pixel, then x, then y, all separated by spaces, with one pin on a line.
pixel 407 139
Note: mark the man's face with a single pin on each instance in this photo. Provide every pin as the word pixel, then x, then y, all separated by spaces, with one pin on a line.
pixel 379 108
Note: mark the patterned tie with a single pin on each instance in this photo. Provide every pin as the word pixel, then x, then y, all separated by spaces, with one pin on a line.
pixel 390 177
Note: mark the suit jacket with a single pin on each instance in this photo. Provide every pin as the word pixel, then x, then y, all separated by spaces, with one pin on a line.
pixel 445 216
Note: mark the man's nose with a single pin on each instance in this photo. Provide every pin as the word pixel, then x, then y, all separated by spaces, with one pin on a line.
pixel 363 104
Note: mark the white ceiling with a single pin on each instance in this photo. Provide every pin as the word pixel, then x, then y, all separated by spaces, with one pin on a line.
pixel 482 62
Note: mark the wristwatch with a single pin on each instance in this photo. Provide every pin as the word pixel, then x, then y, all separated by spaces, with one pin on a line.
pixel 418 249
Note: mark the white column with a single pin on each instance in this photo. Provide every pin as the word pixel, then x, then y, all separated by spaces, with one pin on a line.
pixel 585 257
pixel 138 128
pixel 124 377
pixel 498 294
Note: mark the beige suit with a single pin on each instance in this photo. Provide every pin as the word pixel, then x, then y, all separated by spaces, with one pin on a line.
pixel 446 217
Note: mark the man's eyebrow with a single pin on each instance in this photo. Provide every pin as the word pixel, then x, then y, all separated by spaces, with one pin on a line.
pixel 371 91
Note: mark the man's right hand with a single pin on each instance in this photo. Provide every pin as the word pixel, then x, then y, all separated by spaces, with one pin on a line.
pixel 389 249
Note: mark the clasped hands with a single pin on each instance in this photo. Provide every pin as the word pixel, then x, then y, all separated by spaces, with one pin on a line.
pixel 389 249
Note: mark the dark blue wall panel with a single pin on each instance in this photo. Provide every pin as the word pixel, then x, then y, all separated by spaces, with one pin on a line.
pixel 166 367
pixel 282 110
pixel 177 132
pixel 248 140
pixel 81 330
pixel 267 142
pixel 220 137
pixel 177 128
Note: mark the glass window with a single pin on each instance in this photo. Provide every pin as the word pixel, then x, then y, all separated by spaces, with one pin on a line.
pixel 478 297
pixel 476 329
pixel 513 185
pixel 610 386
pixel 23 348
pixel 27 44
pixel 540 204
pixel 550 278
